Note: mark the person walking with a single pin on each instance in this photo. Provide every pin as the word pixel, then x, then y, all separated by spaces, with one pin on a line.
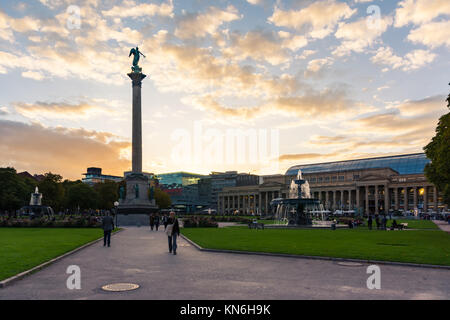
pixel 152 222
pixel 157 222
pixel 172 231
pixel 165 221
pixel 108 226
pixel 377 222
pixel 369 222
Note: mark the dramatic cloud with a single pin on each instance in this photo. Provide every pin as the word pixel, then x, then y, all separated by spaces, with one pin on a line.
pixel 132 9
pixel 318 20
pixel 327 103
pixel 9 25
pixel 433 34
pixel 262 47
pixel 38 149
pixel 57 110
pixel 420 11
pixel 201 24
pixel 357 36
pixel 411 61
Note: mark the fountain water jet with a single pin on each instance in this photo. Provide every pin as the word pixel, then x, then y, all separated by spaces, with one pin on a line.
pixel 298 209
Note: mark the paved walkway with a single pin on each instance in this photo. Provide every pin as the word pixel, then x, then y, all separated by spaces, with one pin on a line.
pixel 140 256
pixel 443 225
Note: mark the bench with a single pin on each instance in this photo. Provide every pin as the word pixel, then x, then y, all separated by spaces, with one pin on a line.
pixel 253 225
pixel 400 226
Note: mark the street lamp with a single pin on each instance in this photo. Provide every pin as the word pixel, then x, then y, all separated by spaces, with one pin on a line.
pixel 116 204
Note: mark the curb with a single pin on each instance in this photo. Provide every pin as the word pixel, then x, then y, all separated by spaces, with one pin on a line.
pixel 10 280
pixel 285 255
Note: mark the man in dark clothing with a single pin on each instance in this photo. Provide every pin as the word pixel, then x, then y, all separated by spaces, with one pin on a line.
pixel 172 231
pixel 377 222
pixel 165 221
pixel 152 222
pixel 157 222
pixel 108 226
pixel 369 222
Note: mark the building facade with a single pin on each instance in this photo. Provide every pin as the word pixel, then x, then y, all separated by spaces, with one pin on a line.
pixel 94 175
pixel 375 185
pixel 211 186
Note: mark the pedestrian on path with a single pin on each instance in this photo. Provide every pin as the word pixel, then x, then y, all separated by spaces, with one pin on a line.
pixel 157 222
pixel 172 231
pixel 108 226
pixel 369 222
pixel 165 221
pixel 152 222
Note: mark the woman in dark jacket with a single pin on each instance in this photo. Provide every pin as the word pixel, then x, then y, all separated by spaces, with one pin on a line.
pixel 152 222
pixel 172 231
pixel 157 222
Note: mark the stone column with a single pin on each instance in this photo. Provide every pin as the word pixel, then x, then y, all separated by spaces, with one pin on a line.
pixel 266 203
pixel 334 200
pixel 233 204
pixel 376 199
pixel 397 204
pixel 415 197
pixel 327 197
pixel 350 204
pixel 137 122
pixel 342 199
pixel 367 200
pixel 387 199
pixel 358 197
pixel 239 203
pixel 405 201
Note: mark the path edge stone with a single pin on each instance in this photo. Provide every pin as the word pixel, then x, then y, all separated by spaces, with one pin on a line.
pixel 19 276
pixel 297 256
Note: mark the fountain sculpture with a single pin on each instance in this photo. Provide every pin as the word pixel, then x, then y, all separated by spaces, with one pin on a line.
pixel 298 209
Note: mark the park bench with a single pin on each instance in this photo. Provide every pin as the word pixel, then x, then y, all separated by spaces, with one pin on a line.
pixel 400 226
pixel 253 225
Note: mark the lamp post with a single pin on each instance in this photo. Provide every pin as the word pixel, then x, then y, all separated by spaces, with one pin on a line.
pixel 116 204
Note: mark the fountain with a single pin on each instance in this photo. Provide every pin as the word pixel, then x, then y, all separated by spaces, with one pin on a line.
pixel 299 209
pixel 36 208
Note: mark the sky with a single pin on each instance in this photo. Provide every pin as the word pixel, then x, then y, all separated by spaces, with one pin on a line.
pixel 254 86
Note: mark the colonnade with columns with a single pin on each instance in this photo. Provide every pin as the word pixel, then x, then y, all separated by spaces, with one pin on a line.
pixel 375 198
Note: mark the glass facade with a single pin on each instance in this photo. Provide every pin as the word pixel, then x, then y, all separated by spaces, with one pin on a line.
pixel 178 179
pixel 403 164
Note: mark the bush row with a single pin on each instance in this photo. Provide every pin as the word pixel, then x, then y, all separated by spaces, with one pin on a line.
pixel 199 222
pixel 80 222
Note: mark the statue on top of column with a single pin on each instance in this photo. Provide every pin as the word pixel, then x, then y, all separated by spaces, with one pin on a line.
pixel 137 54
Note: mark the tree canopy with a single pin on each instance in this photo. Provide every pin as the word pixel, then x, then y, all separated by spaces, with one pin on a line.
pixel 438 151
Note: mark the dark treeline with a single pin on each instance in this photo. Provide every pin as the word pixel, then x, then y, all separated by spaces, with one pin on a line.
pixel 61 195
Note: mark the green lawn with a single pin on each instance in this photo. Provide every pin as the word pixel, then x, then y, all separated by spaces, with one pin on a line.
pixel 421 246
pixel 24 248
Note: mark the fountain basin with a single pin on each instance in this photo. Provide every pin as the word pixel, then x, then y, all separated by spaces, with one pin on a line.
pixel 296 212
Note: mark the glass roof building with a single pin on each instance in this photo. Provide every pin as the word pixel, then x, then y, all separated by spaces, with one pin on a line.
pixel 403 164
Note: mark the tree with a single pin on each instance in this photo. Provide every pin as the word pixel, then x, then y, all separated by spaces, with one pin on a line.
pixel 14 190
pixel 81 195
pixel 108 194
pixel 162 199
pixel 438 151
pixel 52 191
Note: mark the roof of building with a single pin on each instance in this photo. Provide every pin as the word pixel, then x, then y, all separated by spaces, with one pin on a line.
pixel 403 164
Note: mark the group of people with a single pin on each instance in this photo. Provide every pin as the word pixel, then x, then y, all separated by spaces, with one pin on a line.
pixel 380 223
pixel 171 228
